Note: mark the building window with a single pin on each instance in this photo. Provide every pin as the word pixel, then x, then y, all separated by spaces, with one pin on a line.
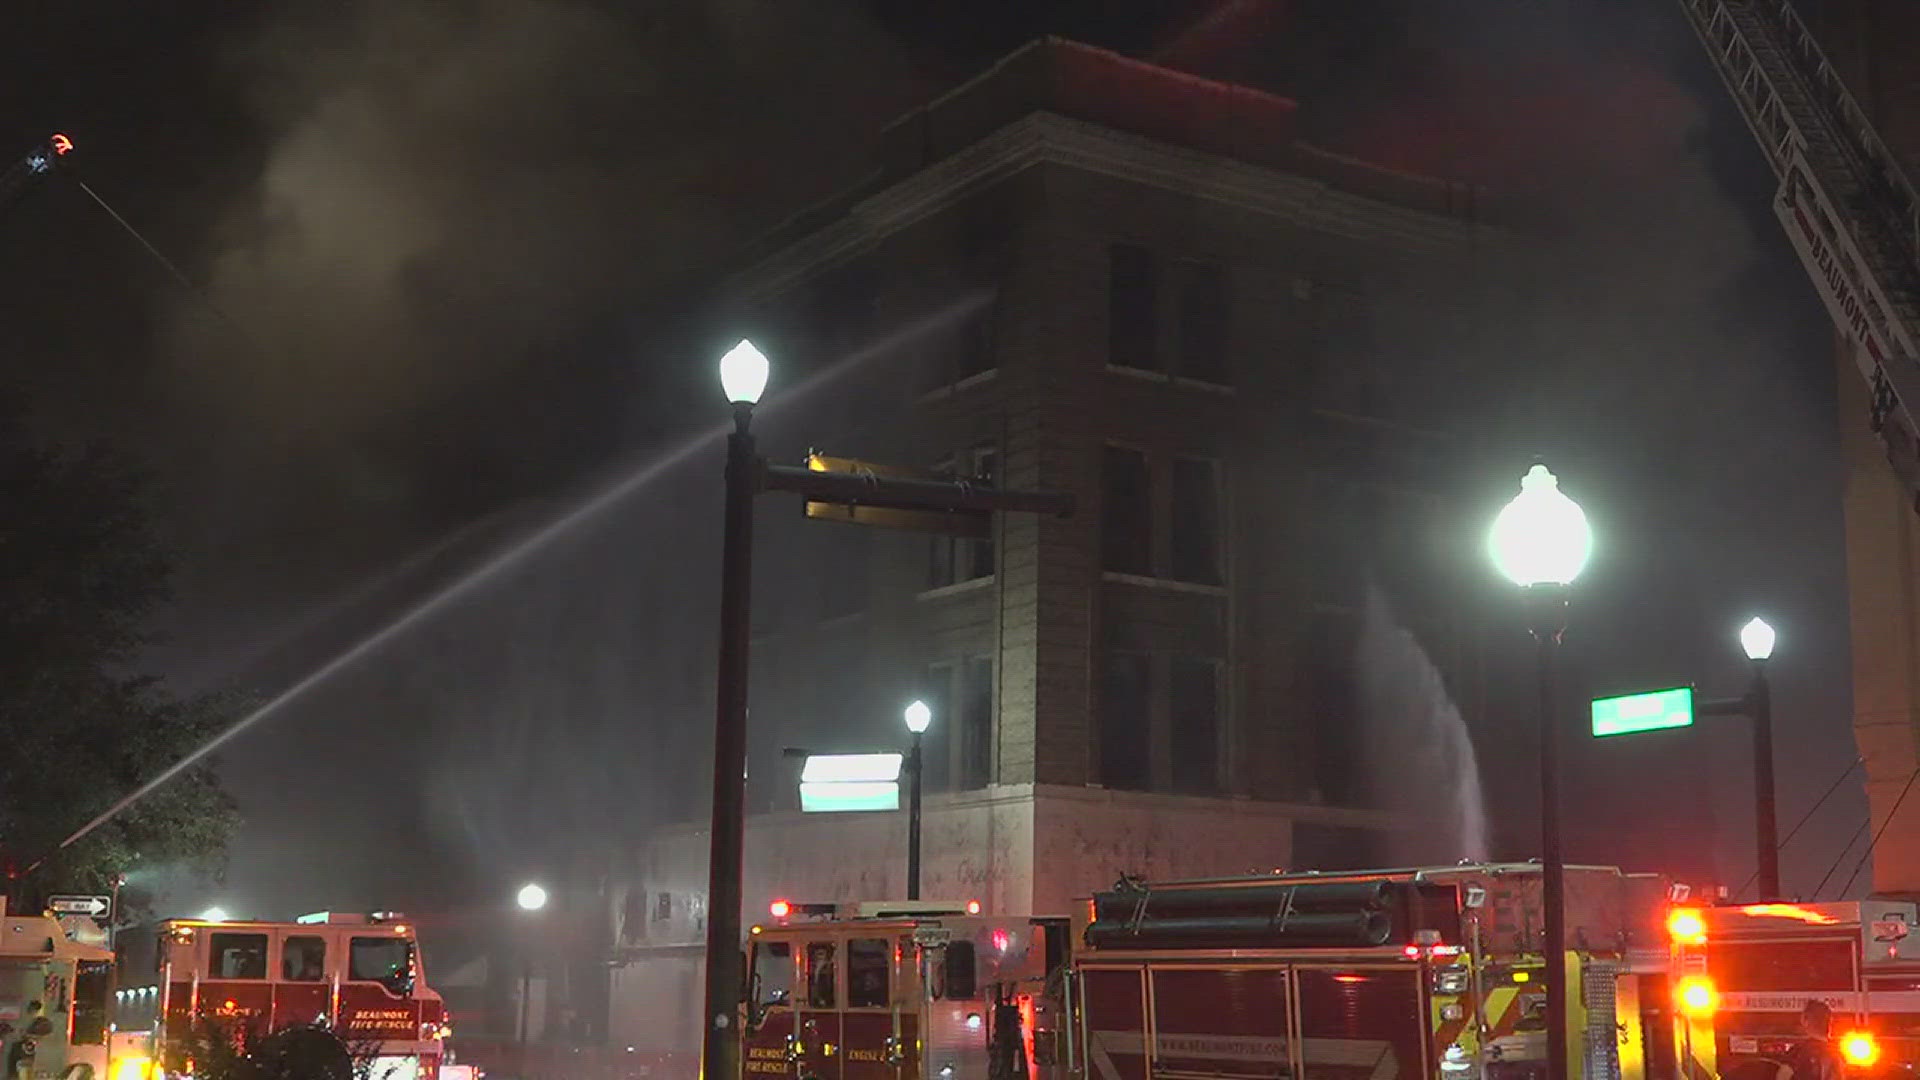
pixel 1133 290
pixel 974 723
pixel 1126 721
pixel 1194 533
pixel 1167 317
pixel 1194 692
pixel 936 746
pixel 1126 516
pixel 1201 352
pixel 663 907
pixel 960 558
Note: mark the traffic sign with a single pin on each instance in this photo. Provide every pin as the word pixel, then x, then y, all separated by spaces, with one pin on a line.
pixel 1654 710
pixel 97 906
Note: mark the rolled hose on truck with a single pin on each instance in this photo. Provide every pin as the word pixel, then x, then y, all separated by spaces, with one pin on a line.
pixel 1295 928
pixel 1333 896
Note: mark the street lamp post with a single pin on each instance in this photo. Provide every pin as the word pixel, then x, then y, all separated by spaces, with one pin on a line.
pixel 743 375
pixel 1756 640
pixel 531 898
pixel 1541 542
pixel 918 718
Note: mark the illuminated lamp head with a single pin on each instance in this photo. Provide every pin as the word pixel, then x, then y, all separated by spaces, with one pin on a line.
pixel 60 143
pixel 973 907
pixel 780 909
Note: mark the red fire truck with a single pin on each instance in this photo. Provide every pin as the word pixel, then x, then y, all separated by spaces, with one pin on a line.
pixel 1432 973
pixel 910 990
pixel 1756 966
pixel 358 974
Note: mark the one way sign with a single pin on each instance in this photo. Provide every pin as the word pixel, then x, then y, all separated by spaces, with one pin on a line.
pixel 97 906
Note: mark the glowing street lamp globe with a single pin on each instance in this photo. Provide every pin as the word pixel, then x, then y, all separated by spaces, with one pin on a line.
pixel 532 897
pixel 1757 638
pixel 743 373
pixel 1541 537
pixel 918 717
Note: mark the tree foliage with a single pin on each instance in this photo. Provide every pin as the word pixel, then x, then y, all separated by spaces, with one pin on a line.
pixel 82 575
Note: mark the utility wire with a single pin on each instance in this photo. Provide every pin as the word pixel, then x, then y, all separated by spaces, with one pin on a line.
pixel 1862 831
pixel 1875 842
pixel 1804 818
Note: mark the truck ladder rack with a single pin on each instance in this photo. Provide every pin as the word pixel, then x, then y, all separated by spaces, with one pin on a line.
pixel 1847 205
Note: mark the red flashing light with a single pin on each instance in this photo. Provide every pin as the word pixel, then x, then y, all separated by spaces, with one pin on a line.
pixel 60 143
pixel 1349 978
pixel 973 907
pixel 780 909
pixel 1002 939
pixel 1411 952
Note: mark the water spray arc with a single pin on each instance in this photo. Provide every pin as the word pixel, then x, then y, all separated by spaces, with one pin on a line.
pixel 516 553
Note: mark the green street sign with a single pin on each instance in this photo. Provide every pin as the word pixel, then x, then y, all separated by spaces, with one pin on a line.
pixel 1653 710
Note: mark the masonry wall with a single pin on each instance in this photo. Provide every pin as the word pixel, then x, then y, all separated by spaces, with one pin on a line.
pixel 1876 46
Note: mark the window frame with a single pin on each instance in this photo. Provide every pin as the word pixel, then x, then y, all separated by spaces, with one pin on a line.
pixel 947 555
pixel 288 940
pixel 266 950
pixel 886 968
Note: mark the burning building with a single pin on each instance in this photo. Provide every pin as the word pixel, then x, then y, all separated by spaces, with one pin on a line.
pixel 1079 272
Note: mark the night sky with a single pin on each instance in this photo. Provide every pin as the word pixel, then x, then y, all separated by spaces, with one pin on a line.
pixel 446 261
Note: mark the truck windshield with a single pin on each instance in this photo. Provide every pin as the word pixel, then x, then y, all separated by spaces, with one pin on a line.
pixel 385 960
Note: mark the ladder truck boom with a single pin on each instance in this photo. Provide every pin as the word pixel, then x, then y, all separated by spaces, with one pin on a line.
pixel 31 166
pixel 1848 207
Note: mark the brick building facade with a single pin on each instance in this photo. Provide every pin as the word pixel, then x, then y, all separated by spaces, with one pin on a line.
pixel 1083 273
pixel 1874 44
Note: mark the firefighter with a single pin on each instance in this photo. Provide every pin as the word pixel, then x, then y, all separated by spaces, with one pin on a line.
pixel 1815 1057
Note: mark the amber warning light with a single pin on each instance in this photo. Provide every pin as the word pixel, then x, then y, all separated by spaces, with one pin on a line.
pixel 60 143
pixel 1697 996
pixel 1687 926
pixel 1859 1048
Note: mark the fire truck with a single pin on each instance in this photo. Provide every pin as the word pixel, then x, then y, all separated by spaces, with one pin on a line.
pixel 1432 973
pixel 360 975
pixel 53 998
pixel 911 989
pixel 1757 965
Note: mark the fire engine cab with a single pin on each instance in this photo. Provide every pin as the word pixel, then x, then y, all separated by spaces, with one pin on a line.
pixel 1759 964
pixel 910 989
pixel 358 974
pixel 1431 973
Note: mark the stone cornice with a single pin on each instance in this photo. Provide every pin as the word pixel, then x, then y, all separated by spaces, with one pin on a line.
pixel 1049 138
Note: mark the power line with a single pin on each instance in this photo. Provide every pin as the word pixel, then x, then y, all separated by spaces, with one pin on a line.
pixel 1804 818
pixel 1875 842
pixel 1862 831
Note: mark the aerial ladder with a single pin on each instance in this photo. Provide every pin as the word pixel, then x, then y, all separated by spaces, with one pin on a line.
pixel 31 166
pixel 1848 207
